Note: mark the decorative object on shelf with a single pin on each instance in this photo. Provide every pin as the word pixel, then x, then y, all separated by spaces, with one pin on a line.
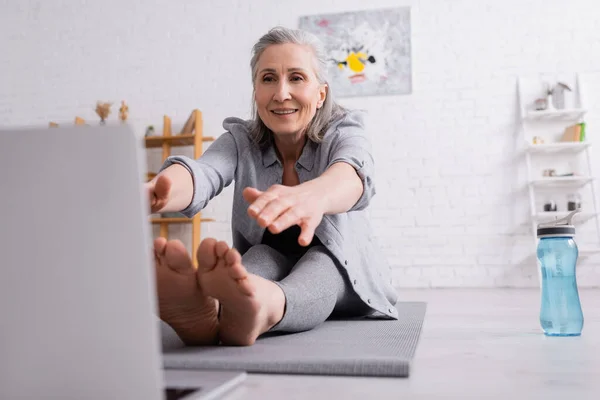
pixel 123 111
pixel 582 132
pixel 188 127
pixel 572 133
pixel 549 96
pixel 550 206
pixel 573 201
pixel 559 95
pixel 149 131
pixel 103 111
pixel 540 104
pixel 549 172
pixel 538 140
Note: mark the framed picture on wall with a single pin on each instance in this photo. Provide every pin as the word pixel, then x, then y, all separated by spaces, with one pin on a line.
pixel 369 51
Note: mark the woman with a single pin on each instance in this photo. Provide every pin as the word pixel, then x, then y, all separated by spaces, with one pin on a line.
pixel 303 249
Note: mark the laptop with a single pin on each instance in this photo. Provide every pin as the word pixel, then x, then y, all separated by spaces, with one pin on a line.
pixel 78 313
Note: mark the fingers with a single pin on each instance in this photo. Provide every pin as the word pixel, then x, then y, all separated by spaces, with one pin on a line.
pixel 158 193
pixel 251 194
pixel 259 204
pixel 274 210
pixel 162 188
pixel 307 231
pixel 285 220
pixel 279 208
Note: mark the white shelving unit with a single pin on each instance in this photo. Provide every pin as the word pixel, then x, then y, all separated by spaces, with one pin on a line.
pixel 554 120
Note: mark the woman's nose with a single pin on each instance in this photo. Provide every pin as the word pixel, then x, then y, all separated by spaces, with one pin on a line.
pixel 282 93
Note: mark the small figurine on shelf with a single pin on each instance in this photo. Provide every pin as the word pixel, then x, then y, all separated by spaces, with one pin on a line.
pixel 149 131
pixel 573 201
pixel 550 206
pixel 103 110
pixel 538 140
pixel 540 104
pixel 544 103
pixel 123 111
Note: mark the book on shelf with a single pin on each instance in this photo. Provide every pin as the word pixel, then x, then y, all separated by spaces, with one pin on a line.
pixel 574 133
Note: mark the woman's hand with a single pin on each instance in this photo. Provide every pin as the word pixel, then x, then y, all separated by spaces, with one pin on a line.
pixel 158 191
pixel 281 207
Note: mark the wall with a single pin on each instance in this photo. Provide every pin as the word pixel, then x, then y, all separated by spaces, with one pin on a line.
pixel 451 208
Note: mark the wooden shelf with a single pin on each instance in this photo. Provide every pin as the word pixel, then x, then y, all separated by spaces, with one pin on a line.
pixel 178 220
pixel 174 140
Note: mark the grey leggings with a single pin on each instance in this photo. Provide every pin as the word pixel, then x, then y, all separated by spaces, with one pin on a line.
pixel 314 287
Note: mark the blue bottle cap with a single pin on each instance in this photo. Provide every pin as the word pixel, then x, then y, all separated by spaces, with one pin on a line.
pixel 558 228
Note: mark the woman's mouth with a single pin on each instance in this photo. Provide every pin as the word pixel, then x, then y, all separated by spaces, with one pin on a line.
pixel 282 112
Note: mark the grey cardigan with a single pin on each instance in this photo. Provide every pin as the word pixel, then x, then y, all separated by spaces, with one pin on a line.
pixel 348 236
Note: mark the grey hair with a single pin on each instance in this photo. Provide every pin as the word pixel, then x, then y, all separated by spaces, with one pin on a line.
pixel 329 111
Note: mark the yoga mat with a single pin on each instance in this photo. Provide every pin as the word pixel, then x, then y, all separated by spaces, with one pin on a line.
pixel 360 347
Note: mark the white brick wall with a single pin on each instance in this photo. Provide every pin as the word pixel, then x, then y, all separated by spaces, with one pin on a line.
pixel 449 211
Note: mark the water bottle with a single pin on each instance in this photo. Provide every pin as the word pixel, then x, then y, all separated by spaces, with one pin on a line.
pixel 557 253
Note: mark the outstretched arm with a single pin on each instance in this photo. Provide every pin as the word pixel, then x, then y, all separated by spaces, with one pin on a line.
pixel 339 186
pixel 187 185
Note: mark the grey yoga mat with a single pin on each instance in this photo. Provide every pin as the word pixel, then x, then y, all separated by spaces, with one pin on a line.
pixel 361 347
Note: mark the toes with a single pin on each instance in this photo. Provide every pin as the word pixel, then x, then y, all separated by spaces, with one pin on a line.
pixel 233 257
pixel 237 271
pixel 160 244
pixel 221 249
pixel 177 256
pixel 207 259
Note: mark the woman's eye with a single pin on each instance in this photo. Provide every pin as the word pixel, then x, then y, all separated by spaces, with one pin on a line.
pixel 268 79
pixel 297 78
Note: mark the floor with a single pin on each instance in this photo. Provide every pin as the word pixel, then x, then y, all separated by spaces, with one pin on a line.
pixel 483 343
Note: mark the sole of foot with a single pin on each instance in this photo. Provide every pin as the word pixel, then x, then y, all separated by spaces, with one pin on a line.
pixel 181 303
pixel 250 305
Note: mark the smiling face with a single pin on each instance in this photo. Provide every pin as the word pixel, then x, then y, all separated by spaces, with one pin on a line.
pixel 287 92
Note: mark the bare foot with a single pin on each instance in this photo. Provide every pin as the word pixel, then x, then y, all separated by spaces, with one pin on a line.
pixel 250 305
pixel 181 303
